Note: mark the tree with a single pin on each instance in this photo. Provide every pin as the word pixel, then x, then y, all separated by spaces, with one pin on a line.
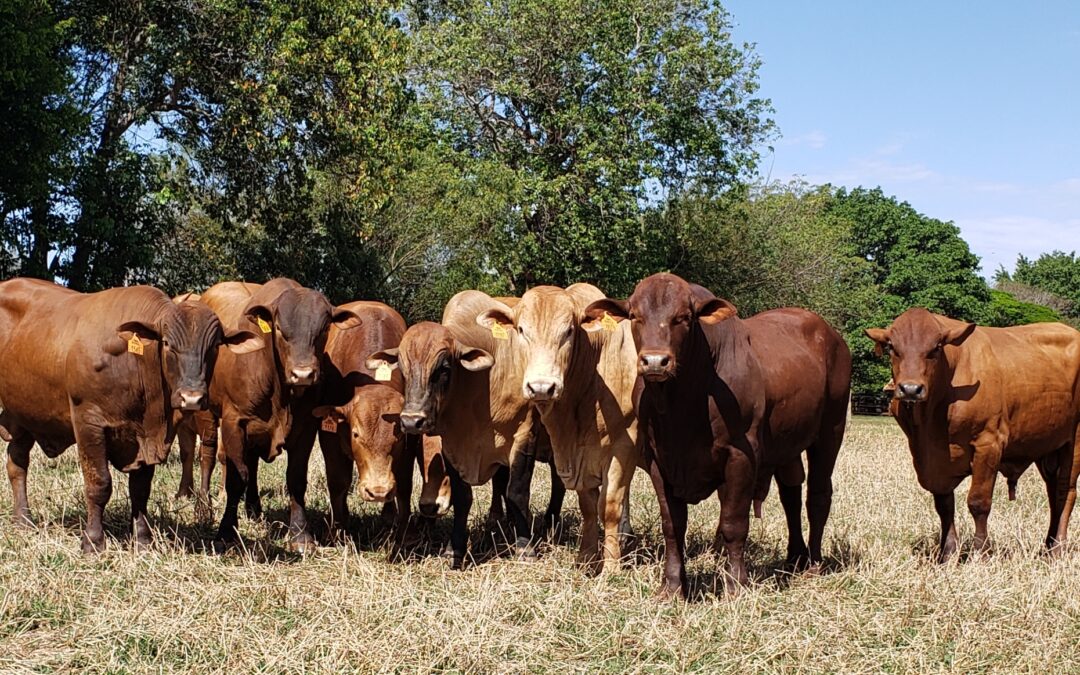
pixel 1057 273
pixel 585 113
pixel 1008 310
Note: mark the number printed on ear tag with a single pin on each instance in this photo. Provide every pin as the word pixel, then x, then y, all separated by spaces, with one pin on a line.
pixel 608 322
pixel 263 326
pixel 329 424
pixel 498 331
pixel 135 345
pixel 382 373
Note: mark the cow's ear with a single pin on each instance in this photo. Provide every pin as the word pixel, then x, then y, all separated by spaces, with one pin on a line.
pixel 714 311
pixel 242 341
pixel 387 357
pixel 345 319
pixel 336 413
pixel 257 313
pixel 957 334
pixel 494 316
pixel 475 359
pixel 592 319
pixel 144 330
pixel 880 336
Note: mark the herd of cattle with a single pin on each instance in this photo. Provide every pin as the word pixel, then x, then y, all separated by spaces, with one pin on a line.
pixel 671 380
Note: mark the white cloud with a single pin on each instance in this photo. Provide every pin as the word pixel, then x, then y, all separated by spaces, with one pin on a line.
pixel 815 140
pixel 998 240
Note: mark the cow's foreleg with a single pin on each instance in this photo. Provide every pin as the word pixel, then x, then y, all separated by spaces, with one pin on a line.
pixel 553 515
pixel 589 505
pixel 945 505
pixel 296 476
pixel 97 482
pixel 499 484
pixel 139 482
pixel 236 472
pixel 186 438
pixel 339 477
pixel 18 463
pixel 615 502
pixel 252 499
pixel 461 497
pixel 208 457
pixel 735 516
pixel 981 493
pixel 517 501
pixel 673 523
pixel 403 479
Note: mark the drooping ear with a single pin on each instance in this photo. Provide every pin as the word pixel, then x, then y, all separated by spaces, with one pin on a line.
pixel 144 330
pixel 880 336
pixel 715 310
pixel 387 357
pixel 260 311
pixel 345 319
pixel 242 341
pixel 593 316
pixel 495 315
pixel 957 334
pixel 475 359
pixel 337 413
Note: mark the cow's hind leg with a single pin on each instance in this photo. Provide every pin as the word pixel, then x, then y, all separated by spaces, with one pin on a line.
pixel 139 482
pixel 1073 453
pixel 821 461
pixel 18 463
pixel 97 483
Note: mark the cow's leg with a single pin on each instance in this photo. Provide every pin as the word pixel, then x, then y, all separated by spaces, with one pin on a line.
pixel 18 463
pixel 738 493
pixel 553 515
pixel 673 523
pixel 945 505
pixel 983 476
pixel 139 482
pixel 236 472
pixel 296 478
pixel 97 483
pixel 461 497
pixel 339 477
pixel 1073 453
pixel 499 484
pixel 208 456
pixel 186 438
pixel 404 535
pixel 820 463
pixel 252 500
pixel 589 551
pixel 798 556
pixel 517 502
pixel 614 499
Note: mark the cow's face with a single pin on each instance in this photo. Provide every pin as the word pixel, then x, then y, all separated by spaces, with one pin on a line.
pixel 435 492
pixel 190 334
pixel 298 320
pixel 916 343
pixel 371 421
pixel 428 357
pixel 663 312
pixel 542 328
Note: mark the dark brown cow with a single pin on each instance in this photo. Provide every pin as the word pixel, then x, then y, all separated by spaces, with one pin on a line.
pixel 112 371
pixel 974 401
pixel 264 400
pixel 726 403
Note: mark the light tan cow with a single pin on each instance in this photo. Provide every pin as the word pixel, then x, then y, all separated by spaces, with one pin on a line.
pixel 582 384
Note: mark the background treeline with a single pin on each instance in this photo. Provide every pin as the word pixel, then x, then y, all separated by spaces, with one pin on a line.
pixel 406 151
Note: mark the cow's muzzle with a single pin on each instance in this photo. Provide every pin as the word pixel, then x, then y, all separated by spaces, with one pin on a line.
pixel 414 422
pixel 543 389
pixel 377 493
pixel 911 392
pixel 656 366
pixel 302 376
pixel 191 400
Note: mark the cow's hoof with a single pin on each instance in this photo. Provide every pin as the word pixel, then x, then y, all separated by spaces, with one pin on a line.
pixel 184 493
pixel 91 547
pixel 303 544
pixel 813 570
pixel 143 544
pixel 22 521
pixel 254 512
pixel 669 593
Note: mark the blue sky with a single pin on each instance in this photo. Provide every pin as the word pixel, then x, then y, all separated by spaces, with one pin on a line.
pixel 970 111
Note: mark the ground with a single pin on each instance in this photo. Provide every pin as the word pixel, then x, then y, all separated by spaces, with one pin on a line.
pixel 883 605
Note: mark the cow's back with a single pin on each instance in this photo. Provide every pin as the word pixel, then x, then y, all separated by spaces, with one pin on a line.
pixel 348 350
pixel 228 300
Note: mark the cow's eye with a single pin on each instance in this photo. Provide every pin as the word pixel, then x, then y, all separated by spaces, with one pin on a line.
pixel 164 342
pixel 568 332
pixel 935 352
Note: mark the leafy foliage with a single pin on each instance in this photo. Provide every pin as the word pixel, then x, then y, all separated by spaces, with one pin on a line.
pixel 1007 310
pixel 1056 273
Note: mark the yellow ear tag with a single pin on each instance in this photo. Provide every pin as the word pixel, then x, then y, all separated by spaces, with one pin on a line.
pixel 382 373
pixel 135 345
pixel 328 424
pixel 608 322
pixel 498 331
pixel 263 326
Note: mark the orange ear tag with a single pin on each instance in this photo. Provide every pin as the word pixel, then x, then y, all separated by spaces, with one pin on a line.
pixel 329 424
pixel 382 373
pixel 498 331
pixel 263 326
pixel 608 322
pixel 135 345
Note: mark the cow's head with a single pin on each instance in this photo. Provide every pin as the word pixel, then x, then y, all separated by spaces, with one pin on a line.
pixel 916 343
pixel 370 420
pixel 429 357
pixel 190 334
pixel 297 321
pixel 435 492
pixel 541 328
pixel 663 311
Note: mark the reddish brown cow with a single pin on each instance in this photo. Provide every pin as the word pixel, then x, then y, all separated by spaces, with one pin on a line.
pixel 974 401
pixel 112 371
pixel 264 401
pixel 726 403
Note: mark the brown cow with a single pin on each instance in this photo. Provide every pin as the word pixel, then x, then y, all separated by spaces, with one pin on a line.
pixel 264 401
pixel 974 401
pixel 583 386
pixel 112 371
pixel 726 403
pixel 461 384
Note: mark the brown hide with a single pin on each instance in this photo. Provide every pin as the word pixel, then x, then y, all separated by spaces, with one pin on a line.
pixel 976 401
pixel 733 402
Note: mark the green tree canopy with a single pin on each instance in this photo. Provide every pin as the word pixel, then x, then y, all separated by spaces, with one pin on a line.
pixel 1056 272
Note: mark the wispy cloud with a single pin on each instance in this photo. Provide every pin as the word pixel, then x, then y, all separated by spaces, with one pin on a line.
pixel 815 140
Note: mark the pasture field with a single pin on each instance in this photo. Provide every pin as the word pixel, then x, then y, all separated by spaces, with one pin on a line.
pixel 884 605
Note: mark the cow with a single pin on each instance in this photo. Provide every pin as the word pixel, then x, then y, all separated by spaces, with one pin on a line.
pixel 460 384
pixel 582 385
pixel 264 400
pixel 975 401
pixel 725 405
pixel 112 371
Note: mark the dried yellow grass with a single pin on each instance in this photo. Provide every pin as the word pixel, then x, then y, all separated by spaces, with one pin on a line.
pixel 884 606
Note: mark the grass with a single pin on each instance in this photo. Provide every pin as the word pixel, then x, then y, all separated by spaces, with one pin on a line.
pixel 884 605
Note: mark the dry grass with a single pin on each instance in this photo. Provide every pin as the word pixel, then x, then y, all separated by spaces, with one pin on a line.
pixel 883 606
